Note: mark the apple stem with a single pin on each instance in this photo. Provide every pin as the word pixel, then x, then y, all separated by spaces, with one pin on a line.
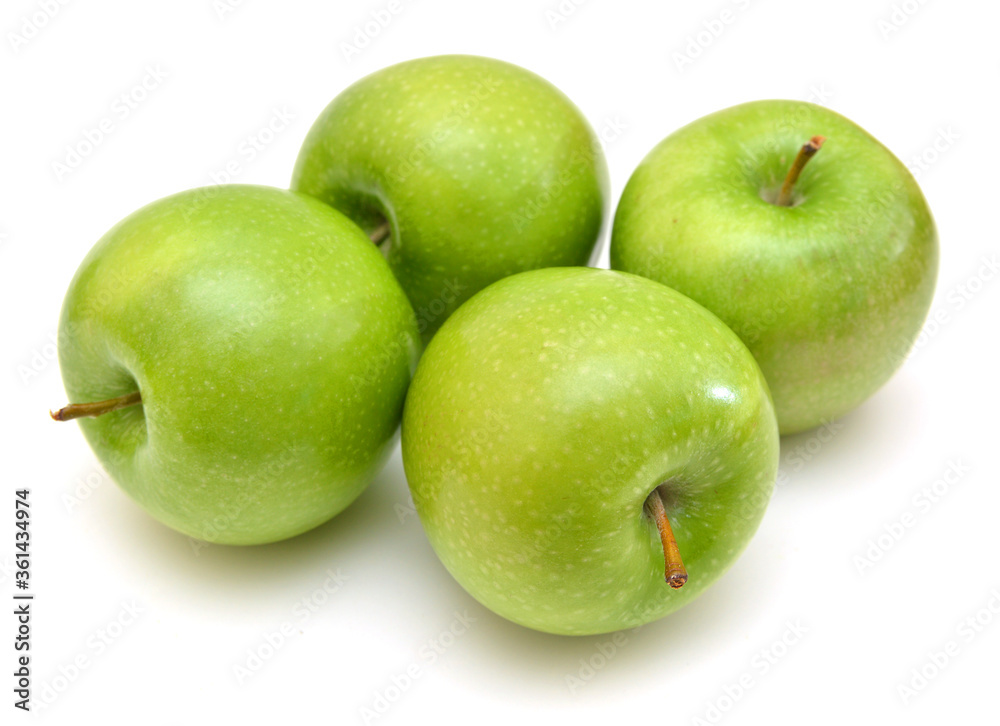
pixel 97 408
pixel 807 152
pixel 675 573
pixel 380 233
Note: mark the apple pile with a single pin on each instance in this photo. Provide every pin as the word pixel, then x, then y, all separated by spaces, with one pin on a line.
pixel 587 449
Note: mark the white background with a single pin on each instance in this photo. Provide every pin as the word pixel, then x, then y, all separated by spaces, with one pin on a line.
pixel 921 78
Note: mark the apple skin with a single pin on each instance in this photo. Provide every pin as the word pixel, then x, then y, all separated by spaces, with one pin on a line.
pixel 543 414
pixel 272 348
pixel 829 294
pixel 482 168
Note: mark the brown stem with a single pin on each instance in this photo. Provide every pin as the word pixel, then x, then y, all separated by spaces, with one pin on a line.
pixel 380 233
pixel 674 571
pixel 97 408
pixel 807 152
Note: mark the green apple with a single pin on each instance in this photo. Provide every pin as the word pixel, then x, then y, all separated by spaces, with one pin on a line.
pixel 573 437
pixel 464 169
pixel 828 283
pixel 257 349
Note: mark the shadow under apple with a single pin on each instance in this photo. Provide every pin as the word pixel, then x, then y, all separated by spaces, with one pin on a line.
pixel 850 452
pixel 509 658
pixel 265 578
